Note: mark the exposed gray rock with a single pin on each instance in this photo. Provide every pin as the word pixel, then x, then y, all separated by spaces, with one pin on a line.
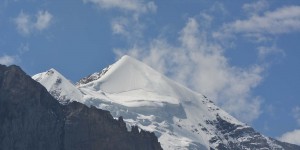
pixel 92 128
pixel 245 138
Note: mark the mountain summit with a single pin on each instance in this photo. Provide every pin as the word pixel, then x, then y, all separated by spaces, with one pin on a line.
pixel 134 84
pixel 59 87
pixel 180 117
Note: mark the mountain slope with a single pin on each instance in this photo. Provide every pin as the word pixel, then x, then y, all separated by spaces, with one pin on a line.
pixel 181 118
pixel 31 119
pixel 61 88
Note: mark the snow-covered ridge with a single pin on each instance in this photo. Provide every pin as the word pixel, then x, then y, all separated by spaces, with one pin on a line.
pixel 92 77
pixel 58 86
pixel 180 117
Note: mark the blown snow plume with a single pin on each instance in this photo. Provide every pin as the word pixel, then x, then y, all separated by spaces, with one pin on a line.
pixel 180 117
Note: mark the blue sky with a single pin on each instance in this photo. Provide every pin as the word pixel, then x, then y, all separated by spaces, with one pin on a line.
pixel 242 54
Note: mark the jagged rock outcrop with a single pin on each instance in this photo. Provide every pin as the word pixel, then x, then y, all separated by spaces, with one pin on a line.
pixel 95 129
pixel 245 137
pixel 31 119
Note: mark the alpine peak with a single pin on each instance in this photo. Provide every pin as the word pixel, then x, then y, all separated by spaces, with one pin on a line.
pixel 58 86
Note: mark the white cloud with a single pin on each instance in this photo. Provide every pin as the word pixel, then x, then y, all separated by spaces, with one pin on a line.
pixel 7 60
pixel 291 137
pixel 296 114
pixel 218 7
pixel 23 48
pixel 138 6
pixel 23 23
pixel 200 64
pixel 26 24
pixel 43 20
pixel 255 7
pixel 282 20
pixel 264 51
pixel 13 59
pixel 128 23
pixel 128 27
pixel 119 26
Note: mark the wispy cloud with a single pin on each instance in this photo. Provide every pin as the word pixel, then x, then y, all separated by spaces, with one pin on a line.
pixel 127 27
pixel 26 24
pixel 7 60
pixel 282 20
pixel 255 7
pixel 264 51
pixel 291 137
pixel 296 114
pixel 137 6
pixel 14 59
pixel 23 23
pixel 43 20
pixel 202 65
pixel 120 25
pixel 23 48
pixel 127 23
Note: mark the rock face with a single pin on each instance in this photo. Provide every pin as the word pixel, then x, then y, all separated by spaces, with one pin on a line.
pixel 248 138
pixel 31 119
pixel 95 129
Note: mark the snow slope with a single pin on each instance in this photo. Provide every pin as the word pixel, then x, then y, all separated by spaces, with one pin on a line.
pixel 181 118
pixel 131 83
pixel 58 86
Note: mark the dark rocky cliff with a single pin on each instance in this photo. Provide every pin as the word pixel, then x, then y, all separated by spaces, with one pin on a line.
pixel 96 129
pixel 31 119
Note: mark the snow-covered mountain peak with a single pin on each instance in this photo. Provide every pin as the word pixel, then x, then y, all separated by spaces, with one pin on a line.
pixel 59 87
pixel 97 75
pixel 129 74
pixel 181 118
pixel 45 76
pixel 132 83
